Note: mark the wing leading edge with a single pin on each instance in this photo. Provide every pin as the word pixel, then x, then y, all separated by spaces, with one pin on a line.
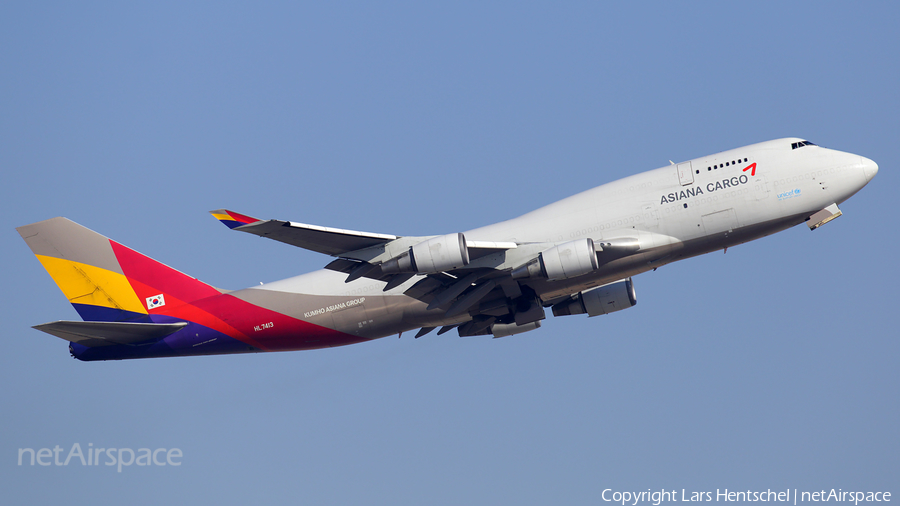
pixel 330 241
pixel 327 240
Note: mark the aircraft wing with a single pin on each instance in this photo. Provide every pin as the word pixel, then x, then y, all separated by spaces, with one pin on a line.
pixel 456 282
pixel 331 241
pixel 455 290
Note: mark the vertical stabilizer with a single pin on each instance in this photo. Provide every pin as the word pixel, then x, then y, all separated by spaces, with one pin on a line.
pixel 104 280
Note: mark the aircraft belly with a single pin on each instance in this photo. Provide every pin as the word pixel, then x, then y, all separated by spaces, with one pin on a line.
pixel 615 270
pixel 658 256
pixel 365 316
pixel 377 316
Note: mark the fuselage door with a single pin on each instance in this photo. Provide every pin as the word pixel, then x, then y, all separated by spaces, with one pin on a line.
pixel 685 173
pixel 719 222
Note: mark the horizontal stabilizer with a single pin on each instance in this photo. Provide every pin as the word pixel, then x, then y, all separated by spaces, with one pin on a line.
pixel 331 241
pixel 92 334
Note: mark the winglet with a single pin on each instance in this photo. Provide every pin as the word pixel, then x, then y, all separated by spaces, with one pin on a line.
pixel 232 219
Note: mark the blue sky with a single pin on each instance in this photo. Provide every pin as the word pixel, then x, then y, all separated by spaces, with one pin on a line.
pixel 773 366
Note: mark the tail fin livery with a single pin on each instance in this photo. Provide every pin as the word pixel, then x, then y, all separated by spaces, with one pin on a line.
pixel 136 307
pixel 104 280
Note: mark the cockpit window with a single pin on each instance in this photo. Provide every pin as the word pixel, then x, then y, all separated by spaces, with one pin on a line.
pixel 795 145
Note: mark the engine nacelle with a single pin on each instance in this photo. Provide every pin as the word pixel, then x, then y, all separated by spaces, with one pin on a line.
pixel 437 254
pixel 601 300
pixel 568 260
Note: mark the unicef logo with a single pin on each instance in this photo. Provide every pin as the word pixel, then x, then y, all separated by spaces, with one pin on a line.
pixel 789 194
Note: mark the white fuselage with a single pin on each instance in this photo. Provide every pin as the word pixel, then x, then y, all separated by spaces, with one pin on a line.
pixel 674 212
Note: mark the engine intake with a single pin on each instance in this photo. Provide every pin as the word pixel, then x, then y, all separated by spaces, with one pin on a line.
pixel 438 254
pixel 601 300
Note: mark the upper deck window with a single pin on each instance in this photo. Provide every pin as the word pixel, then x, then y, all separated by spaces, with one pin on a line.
pixel 795 145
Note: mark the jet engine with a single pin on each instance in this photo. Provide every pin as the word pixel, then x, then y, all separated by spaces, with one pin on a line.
pixel 437 254
pixel 601 300
pixel 565 261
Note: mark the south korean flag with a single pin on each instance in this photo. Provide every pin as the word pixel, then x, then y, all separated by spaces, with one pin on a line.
pixel 156 301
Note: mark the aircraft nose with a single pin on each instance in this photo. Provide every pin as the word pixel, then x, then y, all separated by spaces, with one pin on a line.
pixel 869 167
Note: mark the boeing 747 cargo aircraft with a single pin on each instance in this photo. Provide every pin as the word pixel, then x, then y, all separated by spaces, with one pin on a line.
pixel 575 256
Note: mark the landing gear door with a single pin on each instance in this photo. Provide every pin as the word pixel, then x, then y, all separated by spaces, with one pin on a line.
pixel 685 173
